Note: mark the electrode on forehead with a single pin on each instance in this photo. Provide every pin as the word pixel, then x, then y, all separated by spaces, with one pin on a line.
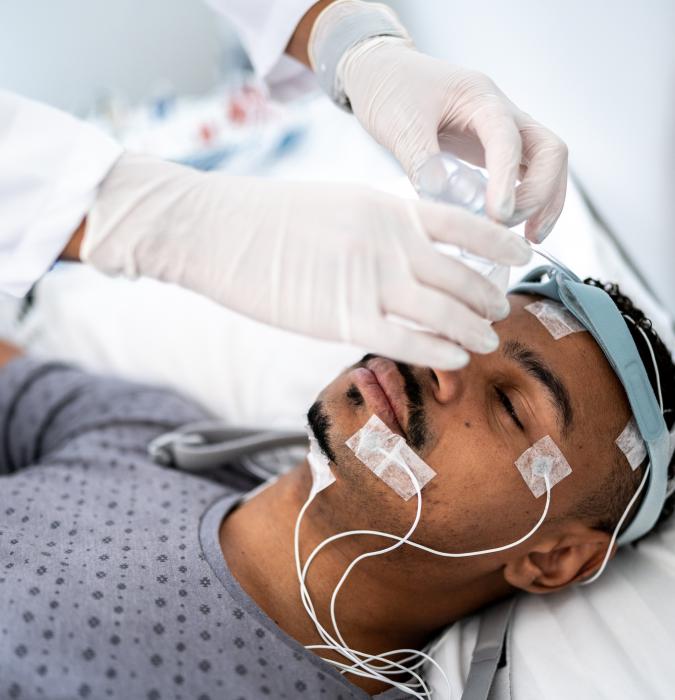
pixel 543 458
pixel 385 453
pixel 557 320
pixel 630 442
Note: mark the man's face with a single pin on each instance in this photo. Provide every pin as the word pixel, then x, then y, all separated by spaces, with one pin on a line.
pixel 470 426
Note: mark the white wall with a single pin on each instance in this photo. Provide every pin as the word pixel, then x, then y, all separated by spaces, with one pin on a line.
pixel 601 74
pixel 72 53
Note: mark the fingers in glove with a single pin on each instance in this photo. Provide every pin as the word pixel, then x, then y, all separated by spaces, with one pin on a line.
pixel 433 268
pixel 496 128
pixel 541 194
pixel 416 347
pixel 541 224
pixel 444 315
pixel 476 234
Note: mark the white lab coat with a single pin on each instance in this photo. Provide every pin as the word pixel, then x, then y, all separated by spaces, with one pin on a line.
pixel 52 164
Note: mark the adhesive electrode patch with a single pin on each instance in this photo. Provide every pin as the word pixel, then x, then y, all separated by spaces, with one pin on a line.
pixel 322 474
pixel 384 453
pixel 541 458
pixel 557 320
pixel 630 442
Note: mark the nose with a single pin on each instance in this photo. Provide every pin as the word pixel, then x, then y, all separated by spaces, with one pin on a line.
pixel 448 386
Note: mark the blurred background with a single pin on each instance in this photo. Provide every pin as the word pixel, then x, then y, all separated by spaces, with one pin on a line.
pixel 600 74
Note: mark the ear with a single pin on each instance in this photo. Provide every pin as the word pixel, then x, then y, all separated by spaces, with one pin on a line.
pixel 558 561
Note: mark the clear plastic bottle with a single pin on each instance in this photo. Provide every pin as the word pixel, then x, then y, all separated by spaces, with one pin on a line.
pixel 444 178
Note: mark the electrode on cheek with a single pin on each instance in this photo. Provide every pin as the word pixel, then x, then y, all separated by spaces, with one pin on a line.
pixel 630 442
pixel 557 320
pixel 385 453
pixel 544 458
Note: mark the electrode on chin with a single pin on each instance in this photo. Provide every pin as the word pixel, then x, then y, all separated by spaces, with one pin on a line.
pixel 322 474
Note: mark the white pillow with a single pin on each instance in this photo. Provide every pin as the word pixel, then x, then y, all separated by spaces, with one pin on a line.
pixel 613 639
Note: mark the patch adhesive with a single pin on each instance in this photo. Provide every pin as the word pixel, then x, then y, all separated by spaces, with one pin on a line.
pixel 322 474
pixel 557 320
pixel 384 453
pixel 630 442
pixel 544 457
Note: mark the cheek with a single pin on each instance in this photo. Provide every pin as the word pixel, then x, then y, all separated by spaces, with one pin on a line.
pixel 479 498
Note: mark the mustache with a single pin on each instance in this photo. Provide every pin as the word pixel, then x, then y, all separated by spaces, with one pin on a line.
pixel 417 429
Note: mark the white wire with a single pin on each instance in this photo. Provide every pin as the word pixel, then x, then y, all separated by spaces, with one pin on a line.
pixel 399 543
pixel 402 540
pixel 615 534
pixel 332 643
pixel 405 540
pixel 341 647
pixel 345 650
pixel 651 352
pixel 634 498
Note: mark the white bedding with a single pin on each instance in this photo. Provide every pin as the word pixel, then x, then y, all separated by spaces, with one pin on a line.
pixel 615 639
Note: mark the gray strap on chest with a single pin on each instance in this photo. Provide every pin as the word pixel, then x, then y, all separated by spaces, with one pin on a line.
pixel 207 445
pixel 489 648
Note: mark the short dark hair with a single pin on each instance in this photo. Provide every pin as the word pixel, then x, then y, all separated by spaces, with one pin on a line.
pixel 607 503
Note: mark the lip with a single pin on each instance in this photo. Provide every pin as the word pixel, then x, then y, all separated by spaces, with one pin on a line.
pixel 382 388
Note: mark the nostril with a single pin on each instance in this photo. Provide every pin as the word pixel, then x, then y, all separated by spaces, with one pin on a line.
pixel 447 386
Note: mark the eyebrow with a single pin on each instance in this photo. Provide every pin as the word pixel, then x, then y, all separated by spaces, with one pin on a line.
pixel 534 365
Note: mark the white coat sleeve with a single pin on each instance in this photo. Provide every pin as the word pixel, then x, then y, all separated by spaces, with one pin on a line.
pixel 50 167
pixel 264 28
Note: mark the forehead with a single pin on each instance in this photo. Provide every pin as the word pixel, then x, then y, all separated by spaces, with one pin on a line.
pixel 598 399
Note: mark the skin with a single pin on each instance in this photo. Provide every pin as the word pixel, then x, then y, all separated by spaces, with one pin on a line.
pixel 478 500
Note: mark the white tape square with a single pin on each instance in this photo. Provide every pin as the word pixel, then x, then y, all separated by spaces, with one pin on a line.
pixel 630 442
pixel 322 474
pixel 384 452
pixel 557 320
pixel 544 456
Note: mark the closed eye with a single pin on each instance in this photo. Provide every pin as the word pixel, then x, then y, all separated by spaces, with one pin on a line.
pixel 508 407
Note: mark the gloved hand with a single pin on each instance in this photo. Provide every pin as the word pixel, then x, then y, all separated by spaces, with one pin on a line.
pixel 415 105
pixel 328 260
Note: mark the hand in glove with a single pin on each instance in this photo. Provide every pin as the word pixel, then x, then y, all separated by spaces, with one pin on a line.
pixel 327 260
pixel 415 105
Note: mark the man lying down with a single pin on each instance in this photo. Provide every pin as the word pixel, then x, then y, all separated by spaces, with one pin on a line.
pixel 120 578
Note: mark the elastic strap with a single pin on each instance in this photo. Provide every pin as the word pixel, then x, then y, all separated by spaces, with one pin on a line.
pixel 488 651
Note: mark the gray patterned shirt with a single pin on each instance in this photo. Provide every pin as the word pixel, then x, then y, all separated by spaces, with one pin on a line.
pixel 112 580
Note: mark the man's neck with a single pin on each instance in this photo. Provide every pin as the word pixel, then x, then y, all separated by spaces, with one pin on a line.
pixel 374 614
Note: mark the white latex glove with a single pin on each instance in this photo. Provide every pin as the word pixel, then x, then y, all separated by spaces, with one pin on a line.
pixel 414 105
pixel 328 260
